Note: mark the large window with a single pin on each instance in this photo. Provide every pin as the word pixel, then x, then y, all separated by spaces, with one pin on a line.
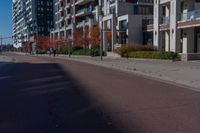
pixel 124 24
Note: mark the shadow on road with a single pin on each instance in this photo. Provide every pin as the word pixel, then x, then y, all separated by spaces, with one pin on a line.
pixel 42 98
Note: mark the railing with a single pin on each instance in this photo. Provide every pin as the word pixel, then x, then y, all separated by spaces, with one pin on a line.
pixel 165 20
pixel 67 5
pixel 78 0
pixel 112 1
pixel 190 15
pixel 84 10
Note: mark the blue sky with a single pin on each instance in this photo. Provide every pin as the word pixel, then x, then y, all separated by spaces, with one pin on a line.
pixel 6 19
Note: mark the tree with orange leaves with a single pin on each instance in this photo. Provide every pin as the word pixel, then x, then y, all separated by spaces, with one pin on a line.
pixel 109 36
pixel 42 43
pixel 78 38
pixel 95 36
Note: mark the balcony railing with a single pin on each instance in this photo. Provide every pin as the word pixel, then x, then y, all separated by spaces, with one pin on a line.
pixel 165 20
pixel 190 15
pixel 112 1
pixel 84 11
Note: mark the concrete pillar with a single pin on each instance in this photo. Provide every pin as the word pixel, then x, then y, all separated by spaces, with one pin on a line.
pixel 54 35
pixel 65 33
pixel 51 35
pixel 105 7
pixel 156 33
pixel 114 31
pixel 105 36
pixel 174 17
pixel 178 41
pixel 167 41
pixel 84 32
pixel 59 35
pixel 72 32
pixel 167 10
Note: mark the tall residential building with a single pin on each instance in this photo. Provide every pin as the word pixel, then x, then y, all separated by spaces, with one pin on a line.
pixel 31 18
pixel 70 15
pixel 18 19
pixel 176 27
pixel 124 19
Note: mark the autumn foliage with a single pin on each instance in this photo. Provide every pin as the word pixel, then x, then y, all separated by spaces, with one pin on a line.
pixel 44 43
pixel 78 38
pixel 95 36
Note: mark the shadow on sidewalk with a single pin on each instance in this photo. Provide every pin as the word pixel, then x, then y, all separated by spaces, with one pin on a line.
pixel 42 98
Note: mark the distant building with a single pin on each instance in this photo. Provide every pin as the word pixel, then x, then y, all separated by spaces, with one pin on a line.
pixel 123 18
pixel 31 18
pixel 70 15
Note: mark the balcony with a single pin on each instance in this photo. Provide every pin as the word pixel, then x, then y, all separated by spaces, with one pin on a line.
pixel 112 1
pixel 192 15
pixel 83 23
pixel 69 27
pixel 68 16
pixel 61 19
pixel 61 9
pixel 189 19
pixel 165 20
pixel 82 2
pixel 67 5
pixel 83 12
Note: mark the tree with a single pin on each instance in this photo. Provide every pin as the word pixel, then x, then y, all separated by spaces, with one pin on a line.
pixel 95 36
pixel 26 47
pixel 80 38
pixel 109 36
pixel 77 38
pixel 42 43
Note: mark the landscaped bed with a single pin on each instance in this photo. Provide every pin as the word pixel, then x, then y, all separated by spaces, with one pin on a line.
pixel 145 51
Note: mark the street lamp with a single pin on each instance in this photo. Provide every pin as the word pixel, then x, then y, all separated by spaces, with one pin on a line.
pixel 67 39
pixel 101 33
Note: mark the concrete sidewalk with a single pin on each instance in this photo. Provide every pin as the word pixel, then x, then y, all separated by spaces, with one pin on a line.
pixel 185 74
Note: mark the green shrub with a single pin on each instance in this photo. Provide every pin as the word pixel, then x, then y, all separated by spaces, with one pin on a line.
pixel 153 55
pixel 63 50
pixel 95 51
pixel 132 47
pixel 85 51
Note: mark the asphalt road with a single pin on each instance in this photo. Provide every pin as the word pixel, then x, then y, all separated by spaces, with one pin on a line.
pixel 47 95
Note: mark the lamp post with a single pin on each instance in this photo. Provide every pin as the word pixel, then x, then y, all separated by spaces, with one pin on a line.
pixel 68 45
pixel 101 32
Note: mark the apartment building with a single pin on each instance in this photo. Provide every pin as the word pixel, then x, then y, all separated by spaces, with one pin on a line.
pixel 18 22
pixel 72 15
pixel 177 27
pixel 31 18
pixel 124 19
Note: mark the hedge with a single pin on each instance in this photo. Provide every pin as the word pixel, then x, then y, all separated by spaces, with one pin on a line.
pixel 152 55
pixel 82 52
pixel 133 47
pixel 94 51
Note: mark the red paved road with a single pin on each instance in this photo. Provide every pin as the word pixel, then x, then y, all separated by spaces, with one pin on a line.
pixel 46 95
